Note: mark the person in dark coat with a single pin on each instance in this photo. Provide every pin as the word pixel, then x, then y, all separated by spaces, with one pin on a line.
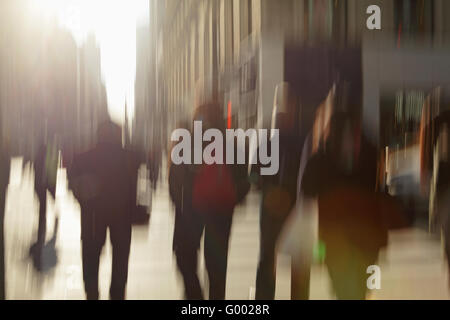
pixel 195 214
pixel 278 193
pixel 5 165
pixel 342 175
pixel 184 244
pixel 441 196
pixel 102 181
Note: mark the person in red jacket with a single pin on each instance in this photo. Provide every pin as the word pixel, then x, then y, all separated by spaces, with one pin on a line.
pixel 204 202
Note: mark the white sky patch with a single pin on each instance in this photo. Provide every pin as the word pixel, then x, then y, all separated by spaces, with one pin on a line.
pixel 113 22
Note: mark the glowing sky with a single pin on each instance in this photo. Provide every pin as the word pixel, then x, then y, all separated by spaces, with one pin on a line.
pixel 114 24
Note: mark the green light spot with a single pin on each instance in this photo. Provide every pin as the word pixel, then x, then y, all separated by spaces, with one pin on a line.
pixel 319 252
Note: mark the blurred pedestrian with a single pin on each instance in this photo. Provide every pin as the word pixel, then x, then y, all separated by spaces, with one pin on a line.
pixel 342 175
pixel 5 165
pixel 440 197
pixel 154 162
pixel 278 192
pixel 45 167
pixel 102 180
pixel 205 197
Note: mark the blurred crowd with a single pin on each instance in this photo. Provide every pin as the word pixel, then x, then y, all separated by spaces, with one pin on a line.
pixel 334 166
pixel 331 167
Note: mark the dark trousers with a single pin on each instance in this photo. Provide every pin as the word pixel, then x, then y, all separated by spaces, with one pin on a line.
pixel 270 229
pixel 120 236
pixel 446 233
pixel 42 224
pixel 4 181
pixel 189 228
pixel 2 245
pixel 443 217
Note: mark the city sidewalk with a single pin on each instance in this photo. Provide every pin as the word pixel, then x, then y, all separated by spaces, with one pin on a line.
pixel 412 267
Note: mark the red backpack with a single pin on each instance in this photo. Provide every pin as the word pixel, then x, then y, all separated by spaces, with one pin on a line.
pixel 214 190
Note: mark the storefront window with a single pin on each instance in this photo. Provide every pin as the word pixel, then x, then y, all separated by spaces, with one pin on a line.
pixel 401 115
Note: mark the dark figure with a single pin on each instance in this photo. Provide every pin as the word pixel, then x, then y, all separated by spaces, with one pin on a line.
pixel 342 174
pixel 45 166
pixel 279 193
pixel 204 198
pixel 102 181
pixel 5 163
pixel 154 165
pixel 441 142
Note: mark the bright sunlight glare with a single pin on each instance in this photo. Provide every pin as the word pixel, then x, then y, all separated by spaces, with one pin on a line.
pixel 113 22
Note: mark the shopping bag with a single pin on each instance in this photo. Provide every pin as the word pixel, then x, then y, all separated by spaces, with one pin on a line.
pixel 299 235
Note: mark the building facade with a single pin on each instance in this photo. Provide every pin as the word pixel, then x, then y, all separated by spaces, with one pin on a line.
pixel 234 50
pixel 49 85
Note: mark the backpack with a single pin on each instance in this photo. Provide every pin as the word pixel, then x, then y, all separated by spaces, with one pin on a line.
pixel 214 189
